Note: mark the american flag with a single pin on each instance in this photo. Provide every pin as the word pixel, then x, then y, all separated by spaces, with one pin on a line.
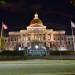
pixel 4 26
pixel 73 24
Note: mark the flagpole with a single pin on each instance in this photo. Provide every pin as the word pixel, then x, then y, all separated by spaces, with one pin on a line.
pixel 1 35
pixel 73 38
pixel 2 31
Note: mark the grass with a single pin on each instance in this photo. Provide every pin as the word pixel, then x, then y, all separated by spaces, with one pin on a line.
pixel 38 67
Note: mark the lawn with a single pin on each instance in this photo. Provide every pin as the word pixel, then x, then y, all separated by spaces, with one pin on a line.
pixel 38 67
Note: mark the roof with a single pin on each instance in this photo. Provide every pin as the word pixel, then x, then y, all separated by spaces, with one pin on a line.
pixel 36 22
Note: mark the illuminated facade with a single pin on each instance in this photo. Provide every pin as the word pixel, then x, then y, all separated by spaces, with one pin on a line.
pixel 37 32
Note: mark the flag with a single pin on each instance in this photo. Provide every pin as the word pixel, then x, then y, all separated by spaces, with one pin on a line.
pixel 4 26
pixel 72 24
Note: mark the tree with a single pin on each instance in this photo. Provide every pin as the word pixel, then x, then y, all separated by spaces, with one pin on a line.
pixel 2 2
pixel 72 2
pixel 2 43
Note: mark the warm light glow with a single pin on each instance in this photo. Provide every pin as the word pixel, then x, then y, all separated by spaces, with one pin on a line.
pixel 20 49
pixel 36 16
pixel 62 49
pixel 36 46
pixel 44 47
pixel 29 47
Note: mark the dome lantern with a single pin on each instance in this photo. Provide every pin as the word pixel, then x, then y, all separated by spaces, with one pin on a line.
pixel 36 16
pixel 36 21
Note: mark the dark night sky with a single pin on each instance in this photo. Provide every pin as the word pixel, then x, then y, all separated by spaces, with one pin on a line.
pixel 55 14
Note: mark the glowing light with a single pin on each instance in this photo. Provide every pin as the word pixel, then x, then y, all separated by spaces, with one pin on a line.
pixel 36 46
pixel 20 49
pixel 29 47
pixel 36 16
pixel 62 49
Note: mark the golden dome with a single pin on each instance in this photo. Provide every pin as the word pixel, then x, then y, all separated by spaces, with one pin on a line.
pixel 36 21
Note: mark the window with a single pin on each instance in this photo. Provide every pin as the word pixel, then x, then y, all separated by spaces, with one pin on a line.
pixel 49 36
pixel 5 40
pixel 58 38
pixel 15 39
pixel 44 38
pixel 54 38
pixel 68 38
pixel 11 38
pixel 71 38
pixel 28 38
pixel 69 42
pixel 62 38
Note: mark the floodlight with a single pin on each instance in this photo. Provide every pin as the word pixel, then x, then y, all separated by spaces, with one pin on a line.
pixel 36 46
pixel 62 49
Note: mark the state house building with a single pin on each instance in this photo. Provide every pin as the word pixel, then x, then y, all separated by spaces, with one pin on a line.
pixel 37 34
